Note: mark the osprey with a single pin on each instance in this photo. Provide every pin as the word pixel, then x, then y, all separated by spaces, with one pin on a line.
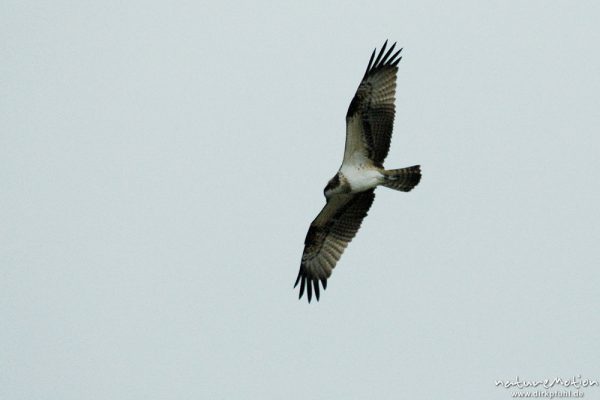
pixel 350 193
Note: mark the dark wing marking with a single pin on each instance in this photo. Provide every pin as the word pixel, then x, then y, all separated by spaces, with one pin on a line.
pixel 328 236
pixel 370 117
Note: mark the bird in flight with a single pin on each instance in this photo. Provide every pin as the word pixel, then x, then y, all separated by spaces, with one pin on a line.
pixel 350 193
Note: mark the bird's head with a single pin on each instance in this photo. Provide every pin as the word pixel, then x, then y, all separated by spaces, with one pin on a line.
pixel 336 185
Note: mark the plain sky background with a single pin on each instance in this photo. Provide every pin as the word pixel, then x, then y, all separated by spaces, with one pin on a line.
pixel 160 163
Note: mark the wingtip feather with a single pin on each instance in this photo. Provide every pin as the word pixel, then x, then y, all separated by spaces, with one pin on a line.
pixel 370 62
pixel 298 279
pixel 394 61
pixel 385 58
pixel 378 59
pixel 302 284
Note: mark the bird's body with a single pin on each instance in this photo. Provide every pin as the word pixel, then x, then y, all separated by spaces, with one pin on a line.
pixel 350 193
pixel 361 177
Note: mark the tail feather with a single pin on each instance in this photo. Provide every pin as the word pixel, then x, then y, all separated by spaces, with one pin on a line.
pixel 403 179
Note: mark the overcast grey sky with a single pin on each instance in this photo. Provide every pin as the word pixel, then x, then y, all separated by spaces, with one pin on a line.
pixel 160 163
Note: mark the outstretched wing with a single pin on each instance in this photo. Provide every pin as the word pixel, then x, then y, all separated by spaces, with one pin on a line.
pixel 370 117
pixel 328 236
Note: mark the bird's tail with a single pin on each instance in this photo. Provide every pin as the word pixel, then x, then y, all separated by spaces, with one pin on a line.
pixel 403 179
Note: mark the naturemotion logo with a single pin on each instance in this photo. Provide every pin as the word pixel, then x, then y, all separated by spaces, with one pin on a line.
pixel 561 387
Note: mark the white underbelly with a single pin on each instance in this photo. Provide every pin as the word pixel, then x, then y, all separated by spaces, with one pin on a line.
pixel 362 178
